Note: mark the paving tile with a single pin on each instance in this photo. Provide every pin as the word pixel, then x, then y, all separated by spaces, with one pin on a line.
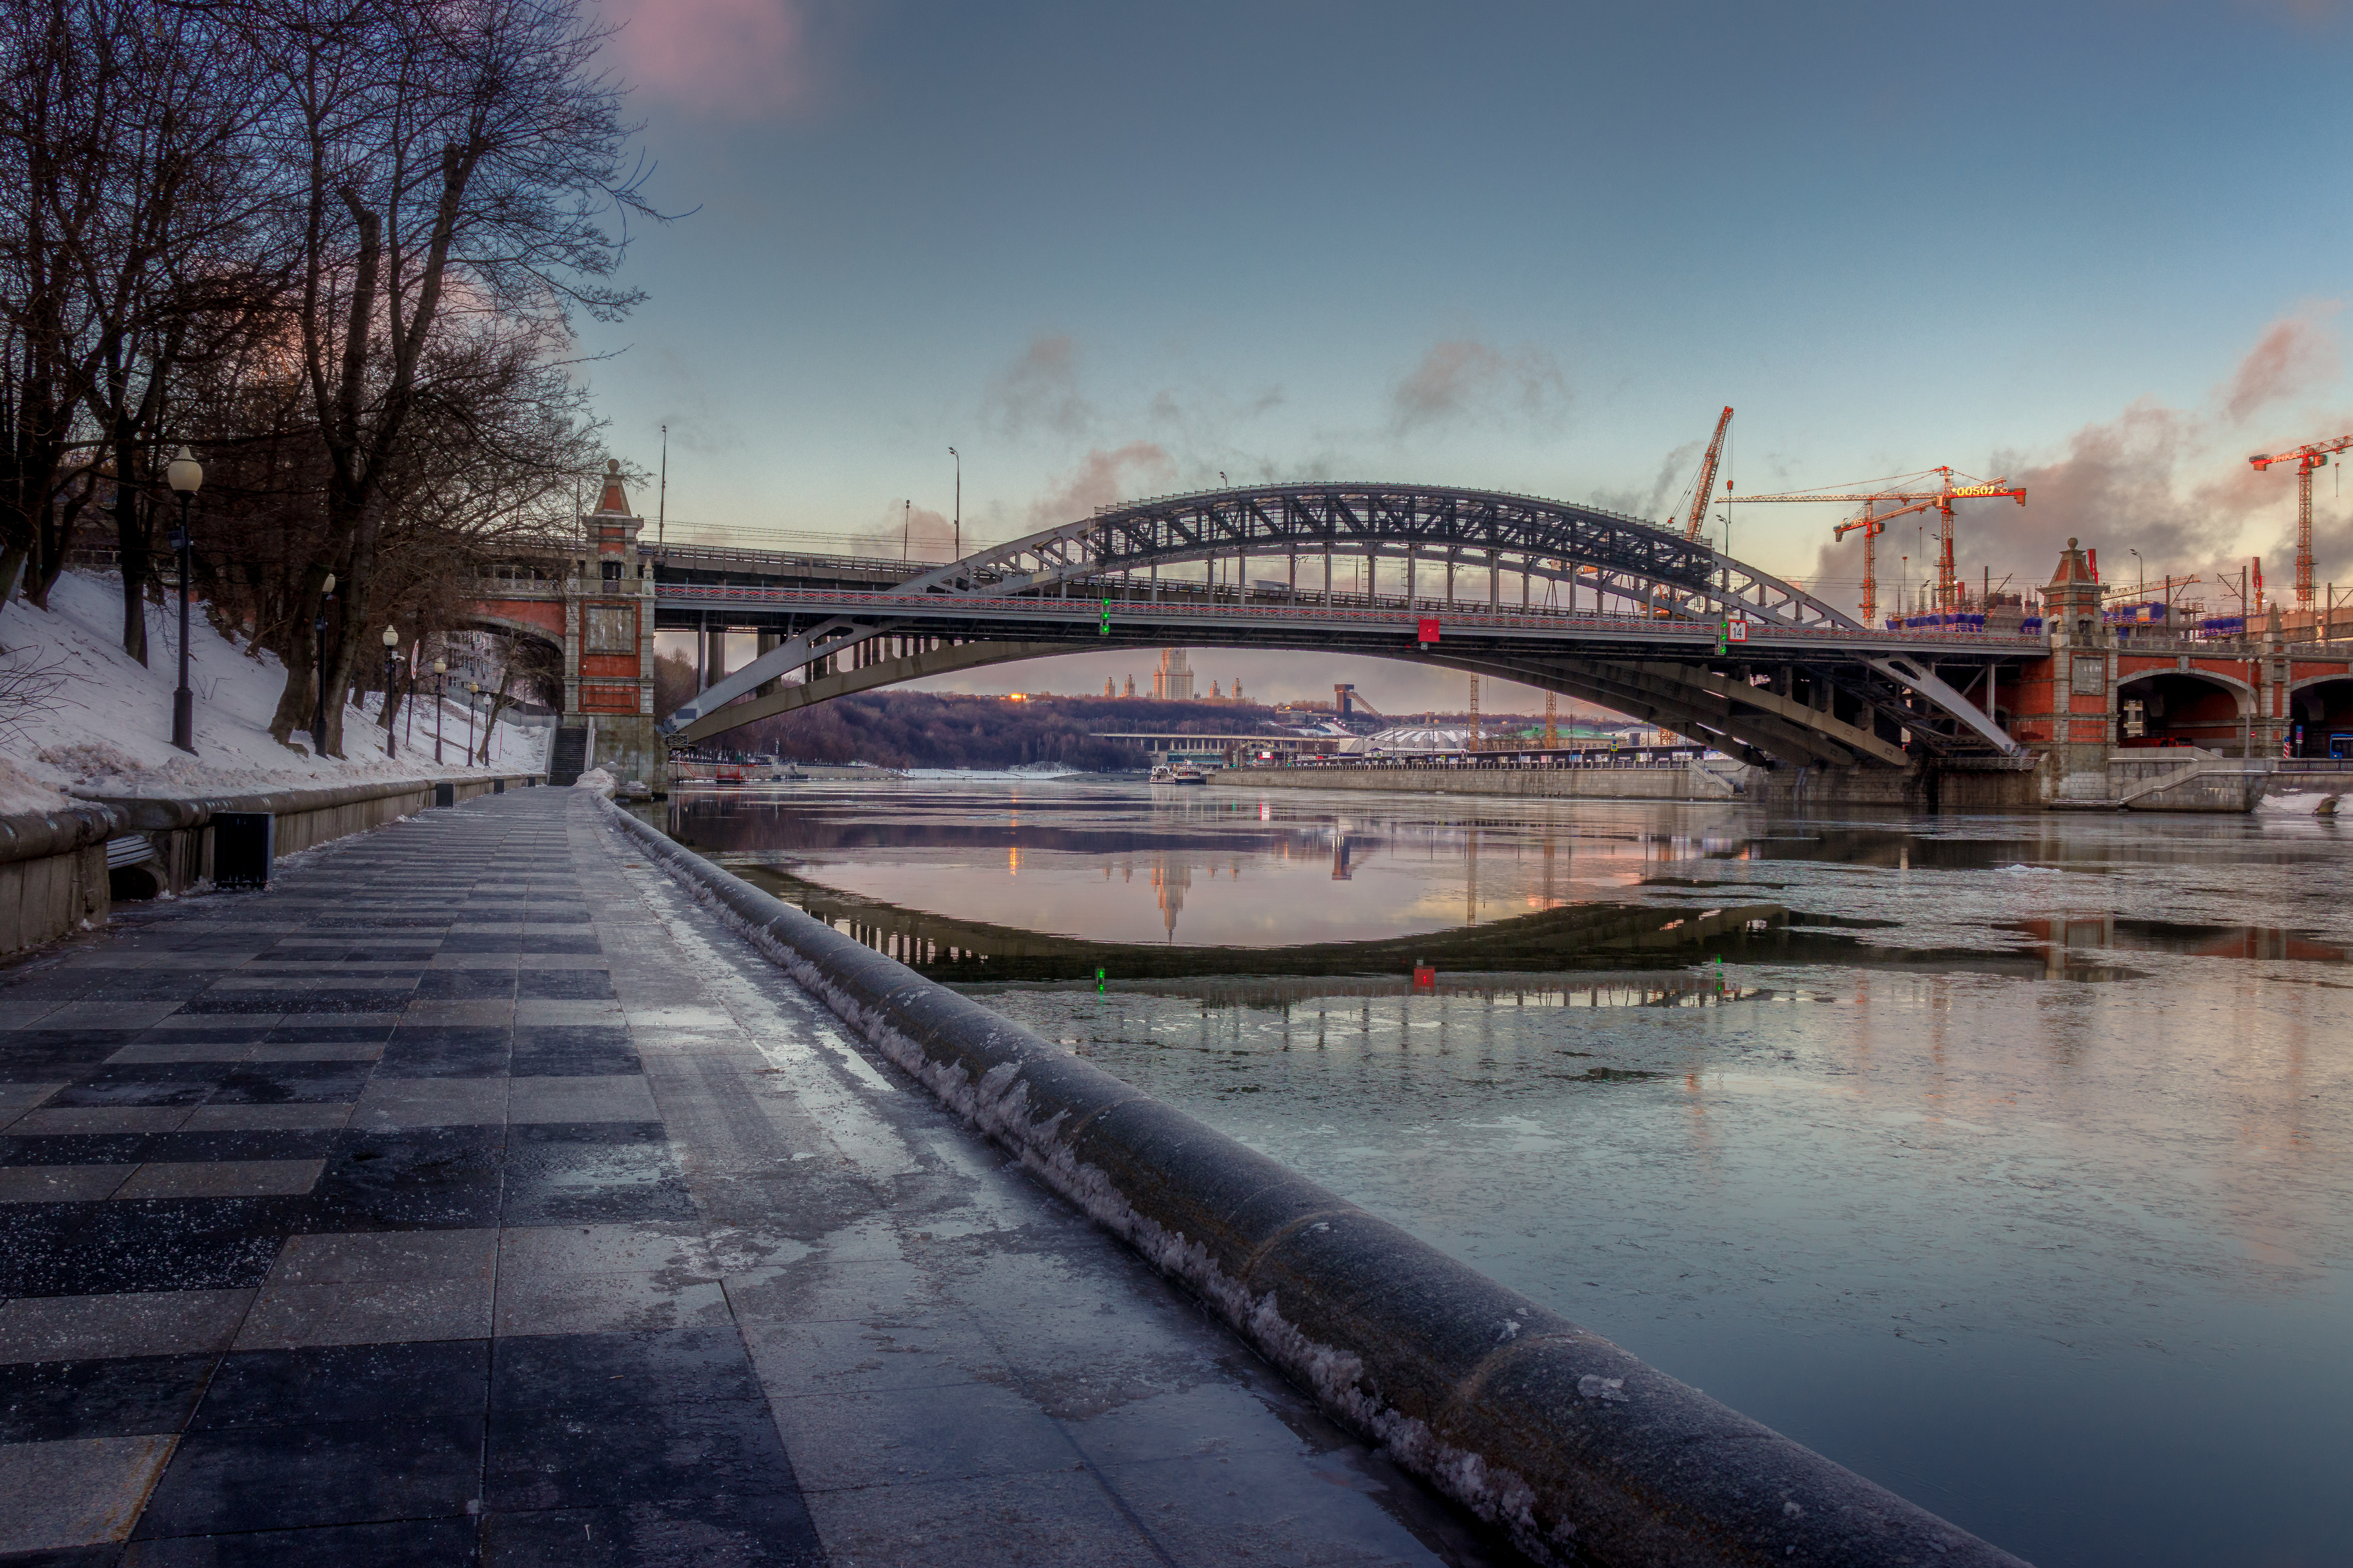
pixel 76 1148
pixel 222 1179
pixel 590 1099
pixel 652 1453
pixel 674 1253
pixel 60 1184
pixel 469 1013
pixel 395 1543
pixel 542 1013
pixel 76 1493
pixel 607 1303
pixel 24 1096
pixel 770 1531
pixel 578 1051
pixel 377 1257
pixel 219 1117
pixel 364 1381
pixel 389 1103
pixel 101 1118
pixel 240 1478
pixel 1053 1521
pixel 388 1312
pixel 620 1371
pixel 949 1432
pixel 424 1177
pixel 144 1084
pixel 171 1245
pixel 255 1082
pixel 445 1051
pixel 593 1184
pixel 366 1050
pixel 144 1323
pixel 1290 1506
pixel 845 1356
pixel 50 1401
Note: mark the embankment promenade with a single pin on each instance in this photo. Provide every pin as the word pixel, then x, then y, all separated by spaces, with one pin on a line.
pixel 509 1184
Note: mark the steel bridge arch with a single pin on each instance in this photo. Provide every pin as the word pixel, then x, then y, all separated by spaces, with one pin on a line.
pixel 1560 541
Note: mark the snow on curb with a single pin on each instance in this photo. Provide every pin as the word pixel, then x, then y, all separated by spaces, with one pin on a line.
pixel 1577 1448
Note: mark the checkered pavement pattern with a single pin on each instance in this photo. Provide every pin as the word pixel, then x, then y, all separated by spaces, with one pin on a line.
pixel 338 1224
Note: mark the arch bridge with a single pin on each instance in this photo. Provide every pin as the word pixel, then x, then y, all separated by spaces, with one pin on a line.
pixel 1577 600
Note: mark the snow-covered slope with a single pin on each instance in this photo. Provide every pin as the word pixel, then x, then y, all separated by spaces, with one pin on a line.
pixel 107 723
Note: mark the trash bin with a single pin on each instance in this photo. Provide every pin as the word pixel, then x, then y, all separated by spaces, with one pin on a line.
pixel 445 793
pixel 245 845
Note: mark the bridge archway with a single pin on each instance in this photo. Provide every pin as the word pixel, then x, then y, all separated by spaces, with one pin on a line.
pixel 2320 709
pixel 2192 707
pixel 1749 722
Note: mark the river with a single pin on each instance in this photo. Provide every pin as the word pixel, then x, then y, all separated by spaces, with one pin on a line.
pixel 2004 1160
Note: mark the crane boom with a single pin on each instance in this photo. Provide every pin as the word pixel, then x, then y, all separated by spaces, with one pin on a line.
pixel 1706 485
pixel 1909 500
pixel 2310 456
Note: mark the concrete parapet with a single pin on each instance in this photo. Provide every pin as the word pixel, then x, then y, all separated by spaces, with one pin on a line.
pixel 1579 1449
pixel 53 872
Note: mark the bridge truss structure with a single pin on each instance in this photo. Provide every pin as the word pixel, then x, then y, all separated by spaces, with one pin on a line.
pixel 1612 610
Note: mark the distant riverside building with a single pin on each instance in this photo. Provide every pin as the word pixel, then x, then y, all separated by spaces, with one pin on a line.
pixel 1107 686
pixel 1172 681
pixel 1130 691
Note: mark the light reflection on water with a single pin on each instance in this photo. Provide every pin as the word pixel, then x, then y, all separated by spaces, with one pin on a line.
pixel 2065 1262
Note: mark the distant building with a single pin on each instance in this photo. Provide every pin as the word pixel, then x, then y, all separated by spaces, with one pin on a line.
pixel 1107 691
pixel 1172 681
pixel 1216 695
pixel 1130 691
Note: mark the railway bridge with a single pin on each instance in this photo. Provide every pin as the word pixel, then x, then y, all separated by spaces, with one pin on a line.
pixel 1574 599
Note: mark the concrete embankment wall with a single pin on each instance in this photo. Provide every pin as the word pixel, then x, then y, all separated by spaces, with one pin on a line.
pixel 55 870
pixel 1578 1448
pixel 1696 783
pixel 52 872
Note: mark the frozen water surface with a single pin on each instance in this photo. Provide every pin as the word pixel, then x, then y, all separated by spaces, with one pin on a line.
pixel 2010 1169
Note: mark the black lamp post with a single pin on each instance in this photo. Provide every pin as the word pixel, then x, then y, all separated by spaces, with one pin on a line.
pixel 186 476
pixel 440 703
pixel 319 626
pixel 473 689
pixel 391 669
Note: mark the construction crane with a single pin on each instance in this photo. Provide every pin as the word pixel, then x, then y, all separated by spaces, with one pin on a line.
pixel 1706 485
pixel 2306 458
pixel 1907 501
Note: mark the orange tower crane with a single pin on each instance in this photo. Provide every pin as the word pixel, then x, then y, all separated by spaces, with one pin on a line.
pixel 1706 485
pixel 2306 458
pixel 1873 522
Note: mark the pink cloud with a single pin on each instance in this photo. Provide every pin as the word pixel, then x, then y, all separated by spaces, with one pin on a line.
pixel 1102 477
pixel 2295 354
pixel 736 59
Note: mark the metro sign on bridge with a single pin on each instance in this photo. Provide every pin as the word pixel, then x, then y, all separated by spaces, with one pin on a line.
pixel 1574 599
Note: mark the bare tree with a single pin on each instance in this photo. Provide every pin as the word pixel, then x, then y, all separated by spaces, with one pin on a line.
pixel 460 162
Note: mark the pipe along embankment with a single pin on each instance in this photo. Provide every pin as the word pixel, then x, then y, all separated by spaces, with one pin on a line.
pixel 1579 1450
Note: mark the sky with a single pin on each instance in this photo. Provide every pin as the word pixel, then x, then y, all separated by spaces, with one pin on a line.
pixel 1107 251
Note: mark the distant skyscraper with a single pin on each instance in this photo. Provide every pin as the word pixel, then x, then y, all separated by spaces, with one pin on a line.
pixel 1107 686
pixel 1130 691
pixel 1172 681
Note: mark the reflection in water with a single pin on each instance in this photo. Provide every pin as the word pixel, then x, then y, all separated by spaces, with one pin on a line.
pixel 1851 1143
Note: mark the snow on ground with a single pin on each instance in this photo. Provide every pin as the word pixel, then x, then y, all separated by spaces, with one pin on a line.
pixel 107 725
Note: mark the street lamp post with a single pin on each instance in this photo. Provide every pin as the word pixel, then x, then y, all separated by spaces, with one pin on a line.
pixel 473 689
pixel 186 476
pixel 440 704
pixel 319 671
pixel 391 669
pixel 959 502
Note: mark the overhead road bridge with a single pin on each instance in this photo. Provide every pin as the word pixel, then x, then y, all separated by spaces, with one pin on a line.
pixel 1581 601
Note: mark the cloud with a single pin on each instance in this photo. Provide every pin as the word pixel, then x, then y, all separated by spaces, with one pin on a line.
pixel 2296 354
pixel 1676 471
pixel 1040 391
pixel 726 60
pixel 918 534
pixel 1102 477
pixel 1461 376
